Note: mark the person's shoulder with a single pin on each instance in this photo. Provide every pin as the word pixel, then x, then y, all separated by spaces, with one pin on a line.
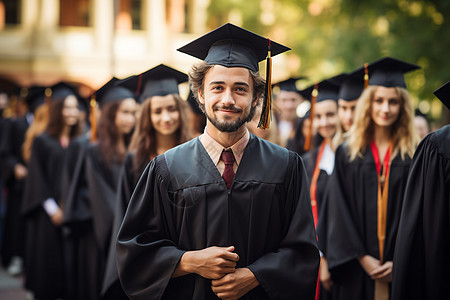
pixel 440 139
pixel 186 146
pixel 269 147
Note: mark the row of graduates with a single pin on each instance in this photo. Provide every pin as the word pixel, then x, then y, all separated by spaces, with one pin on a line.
pixel 358 163
pixel 77 191
pixel 77 183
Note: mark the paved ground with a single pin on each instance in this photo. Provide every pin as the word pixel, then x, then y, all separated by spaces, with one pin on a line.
pixel 11 287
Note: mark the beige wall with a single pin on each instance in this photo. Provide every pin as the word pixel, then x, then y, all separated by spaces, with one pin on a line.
pixel 39 51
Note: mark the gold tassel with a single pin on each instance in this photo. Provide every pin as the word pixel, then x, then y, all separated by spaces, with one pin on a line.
pixel 366 75
pixel 264 121
pixel 48 99
pixel 93 119
pixel 308 138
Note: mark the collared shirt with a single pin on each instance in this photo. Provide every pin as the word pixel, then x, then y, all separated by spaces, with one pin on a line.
pixel 214 150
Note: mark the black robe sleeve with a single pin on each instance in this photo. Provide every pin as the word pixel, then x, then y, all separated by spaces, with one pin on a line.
pixel 127 182
pixel 38 185
pixel 146 261
pixel 421 259
pixel 344 241
pixel 298 251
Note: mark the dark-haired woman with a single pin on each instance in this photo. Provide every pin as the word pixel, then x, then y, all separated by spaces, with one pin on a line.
pixel 44 254
pixel 162 125
pixel 92 194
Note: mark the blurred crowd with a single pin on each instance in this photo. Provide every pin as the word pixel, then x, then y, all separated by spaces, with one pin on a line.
pixel 69 164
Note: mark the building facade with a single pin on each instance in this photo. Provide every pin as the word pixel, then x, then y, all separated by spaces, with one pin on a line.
pixel 88 41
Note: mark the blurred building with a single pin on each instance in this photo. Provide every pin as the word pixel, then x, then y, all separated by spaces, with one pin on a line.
pixel 88 41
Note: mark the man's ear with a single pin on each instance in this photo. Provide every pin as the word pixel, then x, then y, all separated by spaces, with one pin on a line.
pixel 255 101
pixel 201 99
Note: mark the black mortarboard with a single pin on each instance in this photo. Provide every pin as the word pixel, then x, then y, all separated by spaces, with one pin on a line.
pixel 232 46
pixel 61 90
pixel 443 93
pixel 161 80
pixel 351 86
pixel 110 92
pixel 289 85
pixel 35 97
pixel 327 89
pixel 387 72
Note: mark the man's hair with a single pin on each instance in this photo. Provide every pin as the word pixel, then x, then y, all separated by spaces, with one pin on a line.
pixel 197 76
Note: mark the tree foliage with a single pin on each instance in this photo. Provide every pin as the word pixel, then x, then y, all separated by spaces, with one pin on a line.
pixel 333 36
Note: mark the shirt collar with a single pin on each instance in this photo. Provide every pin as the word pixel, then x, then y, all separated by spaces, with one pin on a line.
pixel 215 149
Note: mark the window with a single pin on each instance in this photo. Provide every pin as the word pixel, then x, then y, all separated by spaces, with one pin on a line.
pixel 9 12
pixel 74 12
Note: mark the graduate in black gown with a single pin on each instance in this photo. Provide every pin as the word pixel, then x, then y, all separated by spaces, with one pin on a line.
pixel 13 172
pixel 366 190
pixel 319 164
pixel 89 210
pixel 423 242
pixel 199 226
pixel 162 124
pixel 44 265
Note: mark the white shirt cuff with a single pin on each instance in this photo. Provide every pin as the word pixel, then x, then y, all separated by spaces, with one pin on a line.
pixel 50 206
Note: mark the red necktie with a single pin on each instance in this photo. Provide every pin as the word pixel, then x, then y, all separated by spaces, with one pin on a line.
pixel 228 172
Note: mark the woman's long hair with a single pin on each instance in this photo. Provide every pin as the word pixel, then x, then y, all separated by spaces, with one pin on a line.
pixel 402 131
pixel 37 127
pixel 109 136
pixel 144 137
pixel 56 121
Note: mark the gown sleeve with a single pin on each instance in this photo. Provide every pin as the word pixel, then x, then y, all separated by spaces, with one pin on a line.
pixel 37 184
pixel 421 260
pixel 146 261
pixel 291 270
pixel 344 242
pixel 124 190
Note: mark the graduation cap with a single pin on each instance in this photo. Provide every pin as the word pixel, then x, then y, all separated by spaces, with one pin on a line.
pixel 111 92
pixel 35 97
pixel 289 85
pixel 327 89
pixel 387 72
pixel 351 86
pixel 443 93
pixel 233 46
pixel 161 80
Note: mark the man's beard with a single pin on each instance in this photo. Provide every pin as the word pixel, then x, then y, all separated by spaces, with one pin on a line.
pixel 230 126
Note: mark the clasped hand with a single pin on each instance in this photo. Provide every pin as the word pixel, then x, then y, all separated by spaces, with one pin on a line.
pixel 219 265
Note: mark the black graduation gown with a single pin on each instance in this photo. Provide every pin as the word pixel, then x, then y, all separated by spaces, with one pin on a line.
pixel 297 142
pixel 421 259
pixel 181 203
pixel 112 289
pixel 13 136
pixel 352 219
pixel 70 233
pixel 44 271
pixel 310 159
pixel 89 214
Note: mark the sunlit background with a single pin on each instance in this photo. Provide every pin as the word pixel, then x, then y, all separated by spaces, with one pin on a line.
pixel 88 41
